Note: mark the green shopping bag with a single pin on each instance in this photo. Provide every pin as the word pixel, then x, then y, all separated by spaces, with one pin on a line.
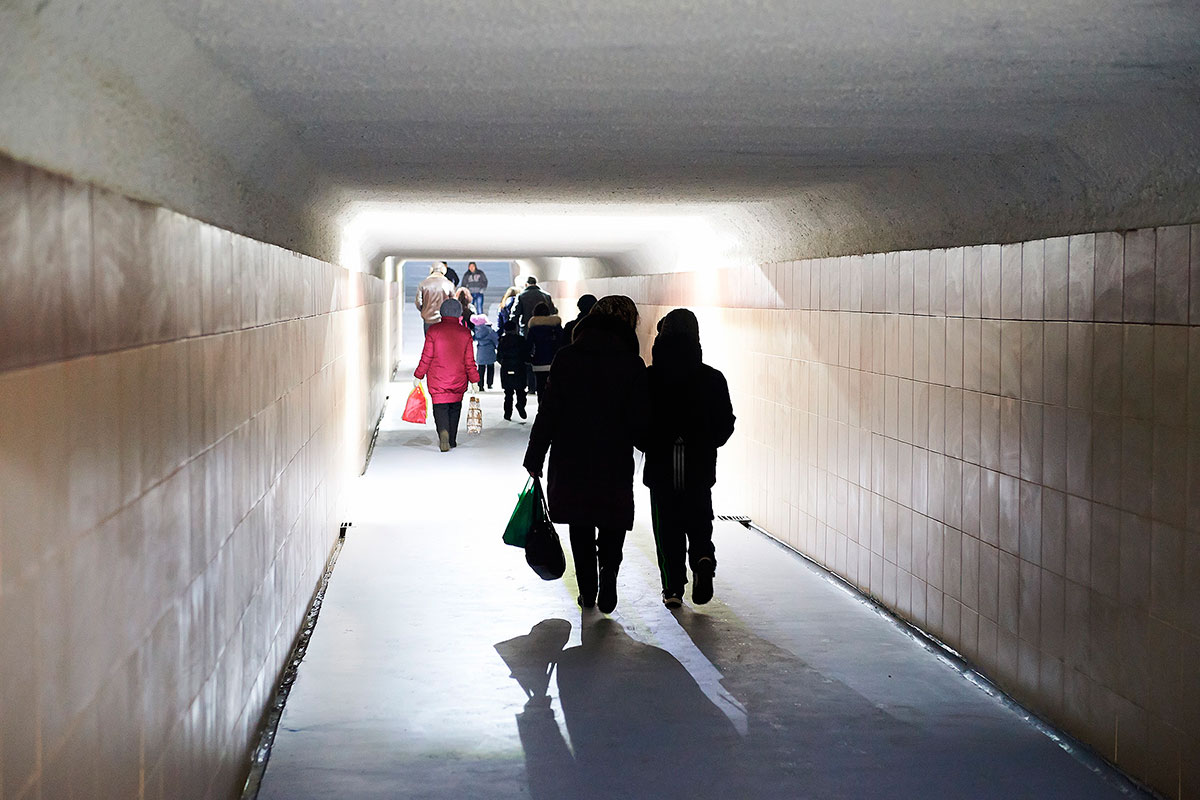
pixel 522 516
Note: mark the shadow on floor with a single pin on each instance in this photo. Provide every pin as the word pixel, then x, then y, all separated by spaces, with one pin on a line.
pixel 640 726
pixel 638 723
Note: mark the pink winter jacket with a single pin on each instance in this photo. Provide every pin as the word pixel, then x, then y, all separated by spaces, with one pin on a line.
pixel 449 360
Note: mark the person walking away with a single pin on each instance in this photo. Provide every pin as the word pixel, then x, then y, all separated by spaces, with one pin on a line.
pixel 584 304
pixel 451 275
pixel 476 283
pixel 508 304
pixel 463 296
pixel 691 418
pixel 486 340
pixel 595 411
pixel 448 362
pixel 431 293
pixel 545 336
pixel 513 354
pixel 527 302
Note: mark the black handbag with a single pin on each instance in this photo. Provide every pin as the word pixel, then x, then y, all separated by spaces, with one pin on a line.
pixel 543 550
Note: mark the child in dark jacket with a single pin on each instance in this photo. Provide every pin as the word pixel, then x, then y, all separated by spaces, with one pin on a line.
pixel 692 416
pixel 513 355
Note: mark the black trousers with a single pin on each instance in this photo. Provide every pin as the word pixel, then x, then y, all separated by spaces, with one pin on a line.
pixel 508 400
pixel 487 373
pixel 591 548
pixel 682 521
pixel 445 418
pixel 541 378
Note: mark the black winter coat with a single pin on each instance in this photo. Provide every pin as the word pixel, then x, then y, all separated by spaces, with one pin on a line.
pixel 692 417
pixel 513 353
pixel 595 411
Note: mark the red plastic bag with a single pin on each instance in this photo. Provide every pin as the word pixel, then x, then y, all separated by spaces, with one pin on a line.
pixel 414 409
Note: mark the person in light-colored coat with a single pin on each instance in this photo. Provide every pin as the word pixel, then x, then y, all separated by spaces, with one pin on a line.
pixel 431 293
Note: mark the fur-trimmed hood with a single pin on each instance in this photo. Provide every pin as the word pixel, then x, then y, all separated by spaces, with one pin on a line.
pixel 553 319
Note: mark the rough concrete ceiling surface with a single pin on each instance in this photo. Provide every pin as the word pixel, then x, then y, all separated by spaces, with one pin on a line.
pixel 817 126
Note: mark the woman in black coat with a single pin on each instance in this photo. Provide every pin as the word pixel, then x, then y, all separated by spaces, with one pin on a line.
pixel 595 412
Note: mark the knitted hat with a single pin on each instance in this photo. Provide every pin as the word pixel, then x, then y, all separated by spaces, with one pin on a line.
pixel 451 308
pixel 479 319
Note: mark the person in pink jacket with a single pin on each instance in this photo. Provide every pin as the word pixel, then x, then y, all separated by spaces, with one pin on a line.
pixel 448 359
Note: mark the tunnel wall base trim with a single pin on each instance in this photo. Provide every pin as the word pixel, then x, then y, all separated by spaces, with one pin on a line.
pixel 273 713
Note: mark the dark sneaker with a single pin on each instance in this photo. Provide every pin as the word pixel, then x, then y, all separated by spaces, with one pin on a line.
pixel 444 441
pixel 453 444
pixel 588 603
pixel 521 411
pixel 672 600
pixel 702 581
pixel 508 417
pixel 606 601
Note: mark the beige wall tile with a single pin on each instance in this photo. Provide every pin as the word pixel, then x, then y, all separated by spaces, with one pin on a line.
pixel 1138 287
pixel 1171 275
pixel 1033 280
pixel 1109 276
pixel 1057 278
pixel 1081 268
pixel 1011 281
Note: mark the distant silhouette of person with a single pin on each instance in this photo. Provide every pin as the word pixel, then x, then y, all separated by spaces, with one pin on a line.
pixel 451 275
pixel 545 335
pixel 513 355
pixel 528 301
pixel 448 360
pixel 692 417
pixel 639 724
pixel 595 410
pixel 431 293
pixel 584 304
pixel 508 305
pixel 476 283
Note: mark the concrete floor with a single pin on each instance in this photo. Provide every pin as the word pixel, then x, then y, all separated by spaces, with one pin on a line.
pixel 442 667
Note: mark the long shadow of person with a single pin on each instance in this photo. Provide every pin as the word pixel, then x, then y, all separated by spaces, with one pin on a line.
pixel 639 724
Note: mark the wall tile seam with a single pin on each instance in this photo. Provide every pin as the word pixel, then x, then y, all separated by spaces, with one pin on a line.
pixel 99 352
pixel 1021 481
pixel 127 506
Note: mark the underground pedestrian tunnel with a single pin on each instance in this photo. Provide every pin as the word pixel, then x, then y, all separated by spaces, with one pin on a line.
pixel 947 255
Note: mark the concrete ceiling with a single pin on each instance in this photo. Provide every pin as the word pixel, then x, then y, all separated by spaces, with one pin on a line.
pixel 823 126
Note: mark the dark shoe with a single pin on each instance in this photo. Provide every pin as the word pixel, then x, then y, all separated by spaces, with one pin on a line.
pixel 589 603
pixel 672 600
pixel 521 411
pixel 508 417
pixel 606 601
pixel 702 581
pixel 444 441
pixel 453 443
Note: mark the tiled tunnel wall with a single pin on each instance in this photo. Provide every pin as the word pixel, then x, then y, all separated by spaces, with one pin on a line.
pixel 1001 443
pixel 179 410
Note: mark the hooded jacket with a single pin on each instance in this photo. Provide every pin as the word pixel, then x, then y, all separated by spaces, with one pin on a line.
pixel 595 410
pixel 448 361
pixel 692 412
pixel 485 343
pixel 545 335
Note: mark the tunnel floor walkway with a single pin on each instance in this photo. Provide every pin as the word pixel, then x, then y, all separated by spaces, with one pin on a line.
pixel 442 667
